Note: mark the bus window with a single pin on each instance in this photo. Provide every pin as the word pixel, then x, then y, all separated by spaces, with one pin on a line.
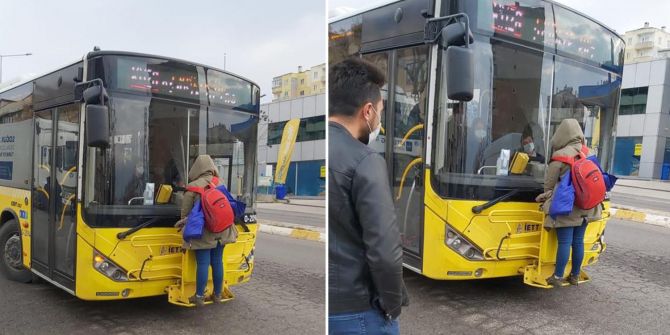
pixel 589 95
pixel 149 146
pixel 517 100
pixel 233 134
pixel 344 39
pixel 508 111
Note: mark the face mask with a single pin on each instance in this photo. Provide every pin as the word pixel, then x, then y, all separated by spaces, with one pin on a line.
pixel 480 133
pixel 529 148
pixel 374 133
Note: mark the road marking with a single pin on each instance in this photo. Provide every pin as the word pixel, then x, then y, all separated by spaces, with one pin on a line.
pixel 639 216
pixel 303 234
pixel 625 214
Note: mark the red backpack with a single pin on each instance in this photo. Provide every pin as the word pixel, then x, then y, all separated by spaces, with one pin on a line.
pixel 587 179
pixel 215 205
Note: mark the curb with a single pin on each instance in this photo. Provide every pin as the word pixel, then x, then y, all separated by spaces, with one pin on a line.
pixel 638 215
pixel 301 232
pixel 289 204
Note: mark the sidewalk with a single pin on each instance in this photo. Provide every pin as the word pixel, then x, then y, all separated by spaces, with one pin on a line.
pixel 290 200
pixel 629 203
pixel 647 188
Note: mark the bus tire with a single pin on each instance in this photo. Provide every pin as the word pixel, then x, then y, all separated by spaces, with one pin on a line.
pixel 11 253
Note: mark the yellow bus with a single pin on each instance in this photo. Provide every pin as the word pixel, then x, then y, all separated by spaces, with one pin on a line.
pixel 470 82
pixel 93 160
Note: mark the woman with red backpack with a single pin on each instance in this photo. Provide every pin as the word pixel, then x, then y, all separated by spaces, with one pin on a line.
pixel 209 248
pixel 567 144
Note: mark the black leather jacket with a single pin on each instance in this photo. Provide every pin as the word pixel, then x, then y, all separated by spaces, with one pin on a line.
pixel 364 251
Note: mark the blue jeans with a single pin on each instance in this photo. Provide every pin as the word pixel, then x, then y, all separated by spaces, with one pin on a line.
pixel 570 236
pixel 204 258
pixel 368 322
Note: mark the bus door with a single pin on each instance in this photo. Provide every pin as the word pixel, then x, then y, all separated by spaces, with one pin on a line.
pixel 408 121
pixel 54 194
pixel 401 141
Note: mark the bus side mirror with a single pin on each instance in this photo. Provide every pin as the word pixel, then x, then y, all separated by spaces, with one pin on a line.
pixel 96 95
pixel 460 73
pixel 97 126
pixel 454 34
pixel 460 70
pixel 97 116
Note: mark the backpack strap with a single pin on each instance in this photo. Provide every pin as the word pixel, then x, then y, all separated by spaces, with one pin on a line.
pixel 215 182
pixel 564 159
pixel 195 189
pixel 200 190
pixel 585 151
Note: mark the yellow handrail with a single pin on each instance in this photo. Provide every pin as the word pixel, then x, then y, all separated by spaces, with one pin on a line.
pixel 404 175
pixel 409 133
pixel 40 189
pixel 72 169
pixel 62 215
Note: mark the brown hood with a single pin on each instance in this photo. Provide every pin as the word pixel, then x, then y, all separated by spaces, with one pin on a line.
pixel 203 165
pixel 568 133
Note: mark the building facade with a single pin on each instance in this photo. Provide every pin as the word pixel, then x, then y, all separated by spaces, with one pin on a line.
pixel 643 128
pixel 302 83
pixel 645 44
pixel 308 161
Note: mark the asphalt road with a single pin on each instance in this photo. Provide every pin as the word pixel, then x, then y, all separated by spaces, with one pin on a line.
pixel 629 294
pixel 313 216
pixel 639 201
pixel 285 296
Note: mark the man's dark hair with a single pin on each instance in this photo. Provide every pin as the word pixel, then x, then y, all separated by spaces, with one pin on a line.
pixel 352 83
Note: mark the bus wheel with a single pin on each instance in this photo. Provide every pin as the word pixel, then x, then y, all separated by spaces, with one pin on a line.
pixel 11 253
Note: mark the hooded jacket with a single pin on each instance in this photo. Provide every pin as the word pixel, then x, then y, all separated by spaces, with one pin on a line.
pixel 200 175
pixel 567 141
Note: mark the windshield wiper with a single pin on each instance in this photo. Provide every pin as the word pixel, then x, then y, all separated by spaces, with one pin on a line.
pixel 144 224
pixel 480 208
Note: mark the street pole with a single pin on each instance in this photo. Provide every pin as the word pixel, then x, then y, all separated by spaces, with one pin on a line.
pixel 224 61
pixel 14 55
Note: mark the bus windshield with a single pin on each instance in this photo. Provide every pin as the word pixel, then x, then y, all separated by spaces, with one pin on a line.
pixel 522 92
pixel 156 137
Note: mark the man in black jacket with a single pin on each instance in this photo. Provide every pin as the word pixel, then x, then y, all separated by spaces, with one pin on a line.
pixel 365 286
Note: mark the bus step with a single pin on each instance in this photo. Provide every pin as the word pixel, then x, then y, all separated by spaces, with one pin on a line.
pixel 537 277
pixel 179 295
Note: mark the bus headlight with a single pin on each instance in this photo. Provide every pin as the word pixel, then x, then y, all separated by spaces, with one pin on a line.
pixel 108 268
pixel 459 244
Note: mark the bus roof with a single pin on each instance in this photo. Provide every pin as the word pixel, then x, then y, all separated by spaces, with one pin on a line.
pixel 31 78
pixel 118 53
pixel 362 10
pixel 388 2
pixel 586 16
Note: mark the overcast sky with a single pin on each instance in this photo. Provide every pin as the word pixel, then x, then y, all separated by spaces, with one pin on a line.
pixel 620 15
pixel 262 39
